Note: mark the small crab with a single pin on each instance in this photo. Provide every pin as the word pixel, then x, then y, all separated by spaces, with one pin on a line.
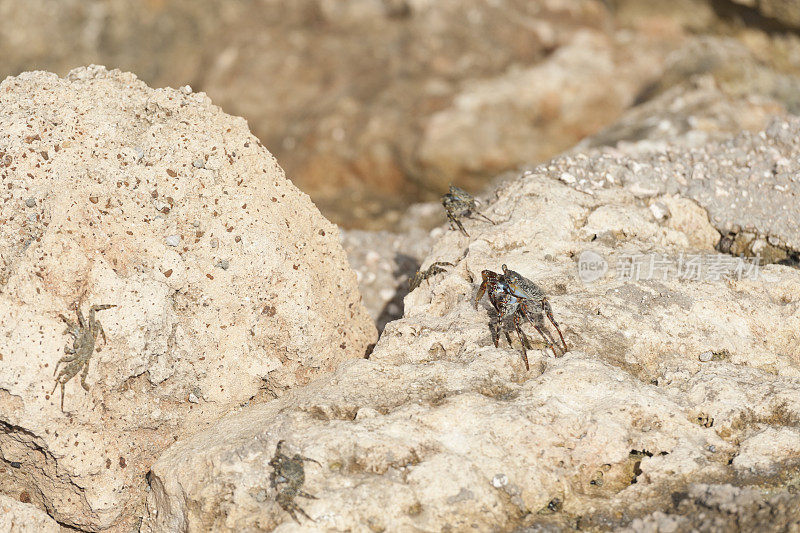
pixel 532 297
pixel 288 472
pixel 84 335
pixel 460 204
pixel 420 276
pixel 516 297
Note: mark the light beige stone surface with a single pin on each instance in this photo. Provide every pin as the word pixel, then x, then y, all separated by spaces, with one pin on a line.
pixel 226 278
pixel 18 517
pixel 440 430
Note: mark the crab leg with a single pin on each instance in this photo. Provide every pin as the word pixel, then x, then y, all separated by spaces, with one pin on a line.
pixel 549 312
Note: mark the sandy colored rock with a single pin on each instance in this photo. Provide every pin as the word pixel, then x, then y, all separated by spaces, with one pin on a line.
pixel 783 441
pixel 347 125
pixel 440 429
pixel 225 277
pixel 18 517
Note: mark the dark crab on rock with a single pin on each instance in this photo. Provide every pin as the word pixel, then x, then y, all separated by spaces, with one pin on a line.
pixel 515 297
pixel 287 477
pixel 459 204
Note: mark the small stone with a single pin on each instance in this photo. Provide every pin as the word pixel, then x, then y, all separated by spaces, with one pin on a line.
pixel 568 178
pixel 499 481
pixel 224 264
pixel 173 240
pixel 30 202
pixel 193 398
pixel 660 211
pixel 186 89
pixel 198 163
pixel 706 356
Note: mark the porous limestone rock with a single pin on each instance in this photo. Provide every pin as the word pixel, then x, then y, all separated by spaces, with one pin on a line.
pixel 441 430
pixel 226 281
pixel 18 517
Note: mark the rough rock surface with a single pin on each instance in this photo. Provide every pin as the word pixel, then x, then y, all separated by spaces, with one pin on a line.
pixel 226 280
pixel 18 517
pixel 667 381
pixel 749 184
pixel 724 508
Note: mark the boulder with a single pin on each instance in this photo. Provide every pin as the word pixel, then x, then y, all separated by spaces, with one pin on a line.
pixel 228 284
pixel 671 372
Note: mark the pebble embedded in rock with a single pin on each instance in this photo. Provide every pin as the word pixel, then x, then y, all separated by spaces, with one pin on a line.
pixel 499 481
pixel 173 240
pixel 660 211
pixel 30 202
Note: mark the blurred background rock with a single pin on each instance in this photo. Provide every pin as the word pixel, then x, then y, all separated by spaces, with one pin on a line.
pixel 371 105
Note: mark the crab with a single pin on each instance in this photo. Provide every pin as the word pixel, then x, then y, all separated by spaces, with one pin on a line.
pixel 84 335
pixel 288 475
pixel 420 276
pixel 516 297
pixel 460 204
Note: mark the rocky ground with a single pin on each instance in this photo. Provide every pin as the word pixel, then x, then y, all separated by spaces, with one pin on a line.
pixel 669 382
pixel 238 322
pixel 449 90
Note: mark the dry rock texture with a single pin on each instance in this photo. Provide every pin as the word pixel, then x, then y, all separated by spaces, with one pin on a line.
pixel 668 382
pixel 18 517
pixel 226 279
pixel 749 184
